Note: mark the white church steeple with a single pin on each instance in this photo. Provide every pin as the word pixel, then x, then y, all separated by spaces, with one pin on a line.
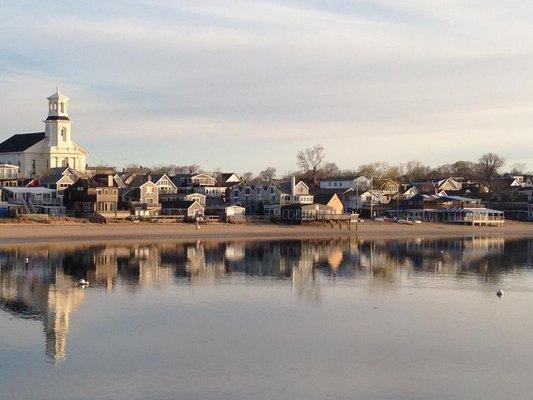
pixel 58 104
pixel 58 123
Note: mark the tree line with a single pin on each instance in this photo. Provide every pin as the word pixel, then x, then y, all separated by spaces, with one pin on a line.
pixel 312 166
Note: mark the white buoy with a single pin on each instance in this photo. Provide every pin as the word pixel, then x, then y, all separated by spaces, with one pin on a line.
pixel 27 260
pixel 83 282
pixel 499 293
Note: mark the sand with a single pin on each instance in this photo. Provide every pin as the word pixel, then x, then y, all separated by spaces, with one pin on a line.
pixel 146 232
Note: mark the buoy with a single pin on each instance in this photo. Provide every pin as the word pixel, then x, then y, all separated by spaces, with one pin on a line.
pixel 499 293
pixel 27 260
pixel 83 282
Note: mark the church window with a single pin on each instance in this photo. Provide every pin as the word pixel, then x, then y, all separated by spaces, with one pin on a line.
pixel 64 134
pixel 62 107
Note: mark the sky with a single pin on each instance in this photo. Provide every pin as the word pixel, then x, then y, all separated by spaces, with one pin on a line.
pixel 243 85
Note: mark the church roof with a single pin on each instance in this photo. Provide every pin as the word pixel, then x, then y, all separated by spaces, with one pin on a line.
pixel 21 142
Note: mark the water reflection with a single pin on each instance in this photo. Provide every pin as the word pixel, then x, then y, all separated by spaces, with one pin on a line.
pixel 46 288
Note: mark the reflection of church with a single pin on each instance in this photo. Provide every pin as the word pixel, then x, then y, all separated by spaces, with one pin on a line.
pixel 50 299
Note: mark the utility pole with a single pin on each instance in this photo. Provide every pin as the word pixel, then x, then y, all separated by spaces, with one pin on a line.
pixel 371 197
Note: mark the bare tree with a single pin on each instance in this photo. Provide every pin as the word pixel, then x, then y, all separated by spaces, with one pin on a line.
pixel 488 165
pixel 518 169
pixel 416 170
pixel 310 161
pixel 267 175
pixel 247 177
pixel 379 172
pixel 330 169
pixel 130 168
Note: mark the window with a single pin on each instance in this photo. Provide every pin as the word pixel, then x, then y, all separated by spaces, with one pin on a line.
pixel 64 133
pixel 62 107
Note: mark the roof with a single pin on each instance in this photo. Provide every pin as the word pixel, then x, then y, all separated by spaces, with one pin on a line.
pixel 21 142
pixel 314 206
pixel 52 178
pixel 32 190
pixel 57 118
pixel 339 178
pixel 323 198
pixel 180 204
pixel 140 180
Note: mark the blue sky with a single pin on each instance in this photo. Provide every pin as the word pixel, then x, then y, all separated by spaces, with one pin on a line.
pixel 242 85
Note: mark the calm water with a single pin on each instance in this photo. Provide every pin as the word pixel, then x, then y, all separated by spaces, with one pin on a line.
pixel 314 319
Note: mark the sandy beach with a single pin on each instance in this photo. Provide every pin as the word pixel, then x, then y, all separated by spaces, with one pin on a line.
pixel 146 232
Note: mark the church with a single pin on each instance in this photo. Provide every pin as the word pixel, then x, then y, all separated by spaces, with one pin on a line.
pixel 35 153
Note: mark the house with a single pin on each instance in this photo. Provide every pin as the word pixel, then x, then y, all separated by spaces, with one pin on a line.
pixel 34 200
pixel 410 192
pixel 9 175
pixel 297 213
pixel 515 202
pixel 190 210
pixel 164 183
pixel 439 186
pixel 166 197
pixel 89 197
pixel 390 187
pixel 200 183
pixel 34 153
pixel 346 182
pixel 141 196
pixel 448 209
pixel 57 182
pixel 193 180
pixel 332 200
pixel 227 213
pixel 292 192
pixel 8 171
pixel 227 179
pixel 266 199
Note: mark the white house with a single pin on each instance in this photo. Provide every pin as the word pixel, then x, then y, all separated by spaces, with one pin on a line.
pixel 361 183
pixel 35 153
pixel 8 171
pixel 33 200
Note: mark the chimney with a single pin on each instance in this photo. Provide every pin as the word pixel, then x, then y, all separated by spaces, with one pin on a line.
pixel 293 186
pixel 110 180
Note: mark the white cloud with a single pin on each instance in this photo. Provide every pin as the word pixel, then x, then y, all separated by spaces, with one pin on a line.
pixel 278 74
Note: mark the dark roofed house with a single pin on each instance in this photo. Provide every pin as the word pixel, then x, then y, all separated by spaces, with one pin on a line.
pixel 87 197
pixel 330 199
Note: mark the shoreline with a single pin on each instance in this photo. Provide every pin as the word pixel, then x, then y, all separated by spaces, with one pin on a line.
pixel 87 233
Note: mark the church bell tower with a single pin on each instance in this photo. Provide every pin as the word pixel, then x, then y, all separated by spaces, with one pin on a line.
pixel 57 124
